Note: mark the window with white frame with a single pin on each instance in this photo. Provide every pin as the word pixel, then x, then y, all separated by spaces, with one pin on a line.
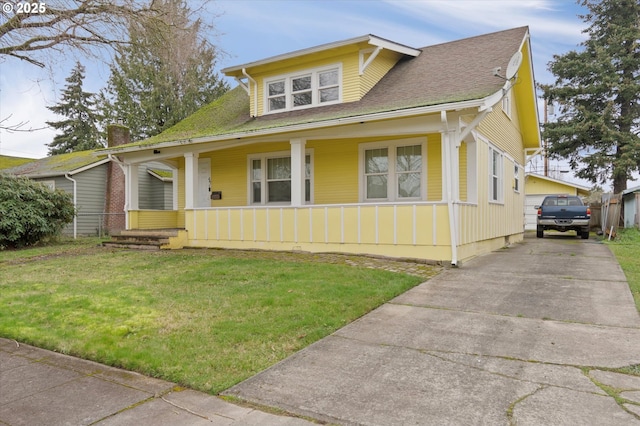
pixel 393 171
pixel 270 178
pixel 495 175
pixel 302 90
pixel 516 178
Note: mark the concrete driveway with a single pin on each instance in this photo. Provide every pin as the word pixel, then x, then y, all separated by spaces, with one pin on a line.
pixel 534 334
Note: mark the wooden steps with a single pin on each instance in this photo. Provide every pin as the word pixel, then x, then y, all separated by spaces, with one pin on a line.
pixel 146 239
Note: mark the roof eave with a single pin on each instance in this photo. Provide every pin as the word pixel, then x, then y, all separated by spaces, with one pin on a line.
pixel 481 104
pixel 369 38
pixel 562 182
pixel 66 172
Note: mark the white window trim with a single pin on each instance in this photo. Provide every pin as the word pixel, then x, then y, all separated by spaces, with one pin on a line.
pixel 314 88
pixel 517 182
pixel 263 157
pixel 499 199
pixel 506 104
pixel 392 187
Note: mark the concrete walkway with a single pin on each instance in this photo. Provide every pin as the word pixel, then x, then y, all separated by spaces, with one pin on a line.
pixel 39 387
pixel 531 335
pixel 527 335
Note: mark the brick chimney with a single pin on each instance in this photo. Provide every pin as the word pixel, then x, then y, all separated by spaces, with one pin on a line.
pixel 114 219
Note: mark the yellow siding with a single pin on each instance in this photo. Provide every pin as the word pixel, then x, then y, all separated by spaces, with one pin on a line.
pixel 229 171
pixel 534 186
pixel 434 167
pixel 488 221
pixel 335 171
pixel 354 86
pixel 351 78
pixel 503 133
pixel 376 70
pixel 411 231
pixel 462 161
pixel 181 193
pixel 157 219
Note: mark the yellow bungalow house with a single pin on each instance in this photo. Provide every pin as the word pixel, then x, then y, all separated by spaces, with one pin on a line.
pixel 358 146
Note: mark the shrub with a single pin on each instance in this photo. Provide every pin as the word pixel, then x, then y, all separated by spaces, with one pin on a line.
pixel 31 212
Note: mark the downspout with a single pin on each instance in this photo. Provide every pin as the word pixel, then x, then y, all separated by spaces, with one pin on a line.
pixel 446 134
pixel 75 207
pixel 255 90
pixel 457 141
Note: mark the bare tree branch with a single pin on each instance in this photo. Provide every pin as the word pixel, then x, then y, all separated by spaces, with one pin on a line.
pixel 17 127
pixel 77 24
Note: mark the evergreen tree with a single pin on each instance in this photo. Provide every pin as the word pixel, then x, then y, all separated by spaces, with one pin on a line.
pixel 165 74
pixel 80 129
pixel 598 91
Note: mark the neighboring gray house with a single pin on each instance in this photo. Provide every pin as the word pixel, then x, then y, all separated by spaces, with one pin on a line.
pixel 631 202
pixel 155 183
pixel 98 198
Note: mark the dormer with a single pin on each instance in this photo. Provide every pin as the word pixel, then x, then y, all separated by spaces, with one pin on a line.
pixel 332 73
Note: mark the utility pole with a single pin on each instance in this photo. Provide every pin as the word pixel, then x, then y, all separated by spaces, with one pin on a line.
pixel 545 143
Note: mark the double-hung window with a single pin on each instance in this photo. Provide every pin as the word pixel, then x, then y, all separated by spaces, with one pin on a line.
pixel 495 175
pixel 393 171
pixel 516 178
pixel 310 88
pixel 270 179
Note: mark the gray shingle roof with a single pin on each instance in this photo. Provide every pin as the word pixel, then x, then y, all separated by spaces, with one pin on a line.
pixel 451 72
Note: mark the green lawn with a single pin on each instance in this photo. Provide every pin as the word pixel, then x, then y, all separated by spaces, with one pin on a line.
pixel 205 319
pixel 626 248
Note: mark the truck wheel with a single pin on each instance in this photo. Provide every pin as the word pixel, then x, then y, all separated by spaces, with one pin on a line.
pixel 584 235
pixel 540 232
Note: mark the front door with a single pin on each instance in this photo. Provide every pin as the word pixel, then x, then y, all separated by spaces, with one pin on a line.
pixel 204 183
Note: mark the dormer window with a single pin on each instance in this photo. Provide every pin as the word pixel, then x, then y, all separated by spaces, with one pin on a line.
pixel 303 90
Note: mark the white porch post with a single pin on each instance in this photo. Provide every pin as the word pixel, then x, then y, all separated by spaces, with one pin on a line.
pixel 449 171
pixel 298 172
pixel 132 187
pixel 190 180
pixel 130 191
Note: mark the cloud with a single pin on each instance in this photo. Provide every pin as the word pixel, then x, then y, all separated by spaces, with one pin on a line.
pixel 22 100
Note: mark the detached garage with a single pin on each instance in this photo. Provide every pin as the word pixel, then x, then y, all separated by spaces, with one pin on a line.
pixel 537 187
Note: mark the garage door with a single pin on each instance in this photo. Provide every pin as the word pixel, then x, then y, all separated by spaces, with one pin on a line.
pixel 530 212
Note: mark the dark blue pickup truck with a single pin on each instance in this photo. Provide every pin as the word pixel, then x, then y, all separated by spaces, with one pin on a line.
pixel 563 213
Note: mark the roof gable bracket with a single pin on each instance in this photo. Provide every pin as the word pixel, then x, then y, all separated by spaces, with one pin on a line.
pixel 474 123
pixel 364 64
pixel 244 85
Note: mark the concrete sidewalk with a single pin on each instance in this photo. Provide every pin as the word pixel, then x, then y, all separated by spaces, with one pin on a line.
pixel 39 387
pixel 528 335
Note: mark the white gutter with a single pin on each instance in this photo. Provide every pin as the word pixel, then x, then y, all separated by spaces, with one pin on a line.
pixel 451 106
pixel 446 135
pixel 75 201
pixel 255 90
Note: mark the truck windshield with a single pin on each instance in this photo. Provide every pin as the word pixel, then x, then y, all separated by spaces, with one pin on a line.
pixel 562 201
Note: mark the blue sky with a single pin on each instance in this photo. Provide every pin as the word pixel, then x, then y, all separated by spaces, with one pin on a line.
pixel 249 30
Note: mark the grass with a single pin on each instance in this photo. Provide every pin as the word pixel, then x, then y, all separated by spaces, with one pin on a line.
pixel 205 319
pixel 626 248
